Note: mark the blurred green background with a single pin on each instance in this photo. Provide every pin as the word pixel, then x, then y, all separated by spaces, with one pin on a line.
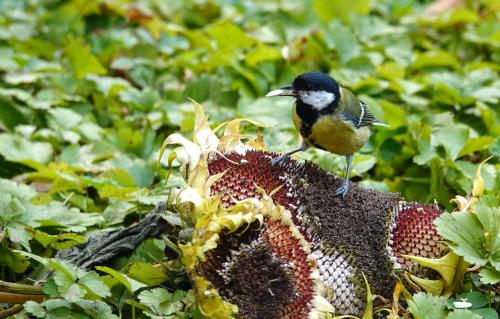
pixel 90 88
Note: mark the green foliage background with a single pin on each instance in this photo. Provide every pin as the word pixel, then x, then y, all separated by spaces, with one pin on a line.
pixel 89 89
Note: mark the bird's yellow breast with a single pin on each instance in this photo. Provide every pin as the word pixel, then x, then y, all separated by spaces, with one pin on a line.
pixel 335 135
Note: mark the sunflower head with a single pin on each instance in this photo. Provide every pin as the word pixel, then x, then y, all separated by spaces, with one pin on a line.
pixel 275 242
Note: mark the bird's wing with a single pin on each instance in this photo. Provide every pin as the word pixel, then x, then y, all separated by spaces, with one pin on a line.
pixel 355 110
pixel 366 117
pixel 363 116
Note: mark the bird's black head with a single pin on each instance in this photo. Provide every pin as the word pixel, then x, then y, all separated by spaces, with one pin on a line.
pixel 315 81
pixel 315 89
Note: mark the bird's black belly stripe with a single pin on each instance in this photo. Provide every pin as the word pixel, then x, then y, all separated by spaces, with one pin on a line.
pixel 308 117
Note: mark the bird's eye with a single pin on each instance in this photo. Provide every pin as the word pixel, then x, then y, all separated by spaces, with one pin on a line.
pixel 309 87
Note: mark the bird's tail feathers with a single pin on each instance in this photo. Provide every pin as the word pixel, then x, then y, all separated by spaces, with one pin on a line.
pixel 379 124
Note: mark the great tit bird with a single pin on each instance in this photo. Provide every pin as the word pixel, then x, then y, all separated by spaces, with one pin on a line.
pixel 328 117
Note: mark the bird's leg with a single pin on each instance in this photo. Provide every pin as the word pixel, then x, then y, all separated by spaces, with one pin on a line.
pixel 344 187
pixel 278 160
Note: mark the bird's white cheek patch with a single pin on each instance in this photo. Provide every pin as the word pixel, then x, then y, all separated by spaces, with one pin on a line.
pixel 318 100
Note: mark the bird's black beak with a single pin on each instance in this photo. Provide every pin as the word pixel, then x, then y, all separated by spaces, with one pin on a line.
pixel 284 91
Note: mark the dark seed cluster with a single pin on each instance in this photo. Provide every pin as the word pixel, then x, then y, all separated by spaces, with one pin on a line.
pixel 284 244
pixel 260 281
pixel 264 271
pixel 358 222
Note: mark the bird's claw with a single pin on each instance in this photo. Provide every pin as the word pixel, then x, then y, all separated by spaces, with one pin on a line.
pixel 343 189
pixel 277 160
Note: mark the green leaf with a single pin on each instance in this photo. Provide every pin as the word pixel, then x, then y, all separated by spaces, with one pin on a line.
pixel 35 309
pixel 427 152
pixel 141 171
pixel 261 53
pixel 15 219
pixel 73 292
pixel 363 163
pixel 18 233
pixel 150 250
pixel 436 59
pixel 476 144
pixel 12 259
pixel 131 284
pixel 477 299
pixel 39 259
pixel 18 190
pixel 446 266
pixel 486 33
pixel 342 39
pixel 63 118
pixel 90 88
pixel 60 309
pixel 94 284
pixel 427 306
pixel 147 273
pixel 229 35
pixel 91 131
pixel 453 139
pixel 67 240
pixel 375 185
pixel 490 221
pixel 368 313
pixel 489 276
pixel 464 231
pixel 56 214
pixel 7 59
pixel 65 277
pixel 18 149
pixel 394 114
pixel 486 313
pixel 109 86
pixel 155 297
pixel 116 212
pixel 10 114
pixel 264 110
pixel 454 16
pixel 50 288
pixel 463 314
pixel 161 301
pixel 488 94
pixel 434 287
pixel 391 70
pixel 97 309
pixel 82 61
pixel 143 100
pixel 329 10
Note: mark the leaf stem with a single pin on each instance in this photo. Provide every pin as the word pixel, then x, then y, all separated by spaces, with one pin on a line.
pixel 10 311
pixel 10 287
pixel 7 297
